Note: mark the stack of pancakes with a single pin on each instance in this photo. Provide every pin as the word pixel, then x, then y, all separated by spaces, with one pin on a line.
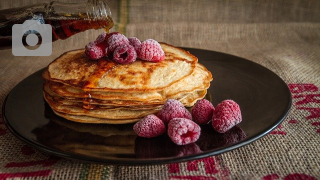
pixel 88 91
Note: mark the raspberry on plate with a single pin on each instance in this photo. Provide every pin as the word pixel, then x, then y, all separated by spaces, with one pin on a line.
pixel 226 115
pixel 95 50
pixel 149 126
pixel 135 42
pixel 101 37
pixel 183 131
pixel 202 111
pixel 124 54
pixel 150 50
pixel 116 40
pixel 109 35
pixel 173 109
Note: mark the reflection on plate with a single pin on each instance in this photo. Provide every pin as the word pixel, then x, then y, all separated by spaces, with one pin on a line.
pixel 162 146
pixel 263 97
pixel 110 140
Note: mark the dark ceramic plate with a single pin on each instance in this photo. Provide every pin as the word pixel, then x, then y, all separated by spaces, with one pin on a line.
pixel 263 97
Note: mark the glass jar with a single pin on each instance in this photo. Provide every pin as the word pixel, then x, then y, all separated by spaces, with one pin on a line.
pixel 66 19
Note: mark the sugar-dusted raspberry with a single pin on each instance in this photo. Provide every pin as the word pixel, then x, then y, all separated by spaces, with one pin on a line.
pixel 101 37
pixel 149 126
pixel 202 111
pixel 116 40
pixel 183 131
pixel 110 34
pixel 226 115
pixel 104 36
pixel 173 109
pixel 124 54
pixel 150 50
pixel 95 50
pixel 135 42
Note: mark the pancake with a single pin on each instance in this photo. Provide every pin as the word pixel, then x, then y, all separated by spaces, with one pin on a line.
pixel 88 119
pixel 199 79
pixel 99 113
pixel 75 69
pixel 115 113
pixel 88 91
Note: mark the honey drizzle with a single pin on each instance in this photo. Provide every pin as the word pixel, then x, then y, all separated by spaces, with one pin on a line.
pixel 104 66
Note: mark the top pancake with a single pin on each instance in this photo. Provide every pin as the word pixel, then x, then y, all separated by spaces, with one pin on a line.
pixel 75 69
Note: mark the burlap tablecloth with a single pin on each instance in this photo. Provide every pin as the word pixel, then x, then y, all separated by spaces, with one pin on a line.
pixel 283 36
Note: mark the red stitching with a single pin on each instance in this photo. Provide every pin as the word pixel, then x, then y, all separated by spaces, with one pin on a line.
pixel 25 174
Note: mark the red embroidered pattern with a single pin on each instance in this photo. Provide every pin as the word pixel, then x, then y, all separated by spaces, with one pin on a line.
pixel 25 174
pixel 28 151
pixel 211 167
pixel 301 92
pixel 307 94
pixel 278 131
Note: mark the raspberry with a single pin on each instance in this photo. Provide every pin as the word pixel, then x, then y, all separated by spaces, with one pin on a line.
pixel 135 42
pixel 104 36
pixel 226 115
pixel 116 40
pixel 124 54
pixel 95 50
pixel 150 50
pixel 149 126
pixel 110 34
pixel 101 37
pixel 202 111
pixel 183 131
pixel 173 109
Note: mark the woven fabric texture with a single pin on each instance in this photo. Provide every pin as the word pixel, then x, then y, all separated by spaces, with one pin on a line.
pixel 283 36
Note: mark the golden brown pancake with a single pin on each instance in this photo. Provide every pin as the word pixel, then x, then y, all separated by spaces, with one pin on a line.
pixel 75 69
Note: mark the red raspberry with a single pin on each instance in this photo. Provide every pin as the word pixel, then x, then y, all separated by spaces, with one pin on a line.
pixel 104 36
pixel 110 34
pixel 226 115
pixel 149 126
pixel 95 50
pixel 124 54
pixel 202 111
pixel 135 42
pixel 116 40
pixel 150 50
pixel 101 37
pixel 183 131
pixel 173 109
